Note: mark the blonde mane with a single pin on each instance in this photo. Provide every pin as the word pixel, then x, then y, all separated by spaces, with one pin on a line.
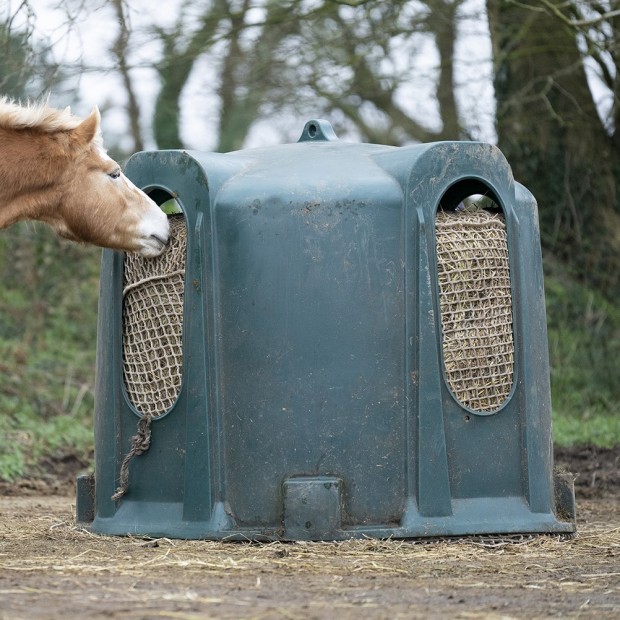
pixel 37 116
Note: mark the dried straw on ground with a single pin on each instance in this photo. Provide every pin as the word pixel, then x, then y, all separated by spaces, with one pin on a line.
pixel 45 558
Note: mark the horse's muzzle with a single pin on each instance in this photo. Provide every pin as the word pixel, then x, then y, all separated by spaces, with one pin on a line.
pixel 163 242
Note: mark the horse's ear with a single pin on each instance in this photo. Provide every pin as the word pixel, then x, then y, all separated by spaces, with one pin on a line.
pixel 88 129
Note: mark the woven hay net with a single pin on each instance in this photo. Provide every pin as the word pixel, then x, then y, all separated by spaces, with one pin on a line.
pixel 476 307
pixel 153 325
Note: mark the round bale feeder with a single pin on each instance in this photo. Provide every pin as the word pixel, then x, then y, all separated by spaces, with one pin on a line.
pixel 342 341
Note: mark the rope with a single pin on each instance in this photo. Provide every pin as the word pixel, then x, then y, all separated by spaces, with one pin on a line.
pixel 155 278
pixel 140 443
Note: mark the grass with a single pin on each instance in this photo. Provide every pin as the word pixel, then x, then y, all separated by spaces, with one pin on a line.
pixel 584 348
pixel 48 310
pixel 601 430
pixel 48 305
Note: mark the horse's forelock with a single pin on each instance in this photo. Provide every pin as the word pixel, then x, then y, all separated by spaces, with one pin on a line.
pixel 36 116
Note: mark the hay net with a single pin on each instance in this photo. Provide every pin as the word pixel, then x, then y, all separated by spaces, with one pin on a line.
pixel 476 307
pixel 153 325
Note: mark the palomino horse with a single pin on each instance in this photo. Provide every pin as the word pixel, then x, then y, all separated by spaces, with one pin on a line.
pixel 53 168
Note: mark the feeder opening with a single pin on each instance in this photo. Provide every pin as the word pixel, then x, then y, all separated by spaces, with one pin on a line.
pixel 153 292
pixel 475 296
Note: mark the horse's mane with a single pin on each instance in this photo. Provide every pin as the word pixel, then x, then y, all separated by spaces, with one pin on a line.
pixel 36 116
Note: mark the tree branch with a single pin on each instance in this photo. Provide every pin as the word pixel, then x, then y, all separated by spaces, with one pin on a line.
pixel 578 23
pixel 120 51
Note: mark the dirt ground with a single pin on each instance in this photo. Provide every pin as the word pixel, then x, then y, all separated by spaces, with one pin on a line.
pixel 49 568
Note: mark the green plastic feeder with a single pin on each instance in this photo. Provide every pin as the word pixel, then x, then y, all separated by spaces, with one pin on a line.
pixel 343 340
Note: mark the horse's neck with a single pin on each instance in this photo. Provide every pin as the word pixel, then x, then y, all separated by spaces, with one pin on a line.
pixel 30 206
pixel 26 180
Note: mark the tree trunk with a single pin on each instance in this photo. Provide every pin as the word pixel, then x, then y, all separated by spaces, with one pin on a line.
pixel 248 73
pixel 174 71
pixel 549 129
pixel 443 24
pixel 120 49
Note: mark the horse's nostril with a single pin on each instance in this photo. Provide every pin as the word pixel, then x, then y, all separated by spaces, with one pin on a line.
pixel 160 240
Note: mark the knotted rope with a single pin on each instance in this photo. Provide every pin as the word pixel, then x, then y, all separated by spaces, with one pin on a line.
pixel 140 443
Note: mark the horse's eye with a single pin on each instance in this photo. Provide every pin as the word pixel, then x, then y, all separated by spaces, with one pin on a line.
pixel 115 174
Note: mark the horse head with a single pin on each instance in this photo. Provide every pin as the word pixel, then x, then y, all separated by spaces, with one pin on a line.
pixel 99 204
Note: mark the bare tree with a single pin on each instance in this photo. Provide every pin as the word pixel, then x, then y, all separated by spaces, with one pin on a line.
pixel 338 58
pixel 179 55
pixel 250 68
pixel 364 46
pixel 26 66
pixel 120 51
pixel 550 128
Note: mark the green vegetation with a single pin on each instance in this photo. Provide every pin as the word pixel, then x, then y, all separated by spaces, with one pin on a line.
pixel 48 308
pixel 584 346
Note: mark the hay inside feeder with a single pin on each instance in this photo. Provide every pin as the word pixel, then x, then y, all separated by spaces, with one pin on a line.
pixel 476 307
pixel 153 325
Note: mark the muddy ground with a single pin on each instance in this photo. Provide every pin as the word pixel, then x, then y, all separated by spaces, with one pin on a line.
pixel 49 568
